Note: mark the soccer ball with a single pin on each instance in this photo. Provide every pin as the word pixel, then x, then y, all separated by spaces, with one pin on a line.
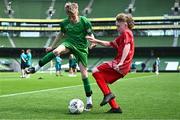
pixel 76 106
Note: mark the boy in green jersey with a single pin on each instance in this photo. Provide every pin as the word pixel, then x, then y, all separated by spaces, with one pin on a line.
pixel 75 28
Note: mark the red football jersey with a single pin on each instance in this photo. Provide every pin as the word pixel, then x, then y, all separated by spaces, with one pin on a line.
pixel 119 43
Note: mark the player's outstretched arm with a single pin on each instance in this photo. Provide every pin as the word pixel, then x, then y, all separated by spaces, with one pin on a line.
pixel 58 37
pixel 93 45
pixel 97 41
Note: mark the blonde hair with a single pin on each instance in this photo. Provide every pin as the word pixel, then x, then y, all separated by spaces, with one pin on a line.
pixel 122 17
pixel 71 8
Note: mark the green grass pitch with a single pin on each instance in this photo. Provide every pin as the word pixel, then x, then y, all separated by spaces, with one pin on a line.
pixel 140 95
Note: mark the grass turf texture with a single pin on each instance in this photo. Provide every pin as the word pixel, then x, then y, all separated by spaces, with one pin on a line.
pixel 141 96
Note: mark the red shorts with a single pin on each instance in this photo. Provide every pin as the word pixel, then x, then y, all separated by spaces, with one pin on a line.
pixel 108 73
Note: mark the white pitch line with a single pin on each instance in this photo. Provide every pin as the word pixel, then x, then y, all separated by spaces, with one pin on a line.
pixel 37 91
pixel 61 88
pixel 148 76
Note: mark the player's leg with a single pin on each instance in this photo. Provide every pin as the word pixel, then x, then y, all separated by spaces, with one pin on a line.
pixel 115 108
pixel 22 70
pixel 70 71
pixel 48 57
pixel 60 73
pixel 100 81
pixel 75 69
pixel 22 73
pixel 101 74
pixel 57 73
pixel 57 70
pixel 26 67
pixel 87 87
pixel 157 69
pixel 99 77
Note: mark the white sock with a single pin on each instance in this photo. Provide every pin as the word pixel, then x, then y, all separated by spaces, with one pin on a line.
pixel 89 100
pixel 37 67
pixel 23 73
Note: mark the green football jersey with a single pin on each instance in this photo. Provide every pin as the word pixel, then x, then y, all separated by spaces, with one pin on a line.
pixel 75 40
pixel 75 33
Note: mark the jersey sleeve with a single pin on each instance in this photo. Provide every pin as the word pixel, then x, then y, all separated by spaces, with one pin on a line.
pixel 127 37
pixel 88 25
pixel 114 43
pixel 62 27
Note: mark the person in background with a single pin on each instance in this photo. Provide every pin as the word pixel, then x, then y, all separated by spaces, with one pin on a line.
pixel 23 63
pixel 179 68
pixel 143 67
pixel 29 57
pixel 28 60
pixel 72 65
pixel 133 67
pixel 58 63
pixel 156 66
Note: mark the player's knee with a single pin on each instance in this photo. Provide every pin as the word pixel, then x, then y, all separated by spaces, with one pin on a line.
pixel 84 75
pixel 94 70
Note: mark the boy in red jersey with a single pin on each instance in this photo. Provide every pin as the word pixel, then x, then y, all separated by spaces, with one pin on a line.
pixel 109 72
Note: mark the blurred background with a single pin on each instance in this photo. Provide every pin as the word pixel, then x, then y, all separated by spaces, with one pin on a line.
pixel 33 24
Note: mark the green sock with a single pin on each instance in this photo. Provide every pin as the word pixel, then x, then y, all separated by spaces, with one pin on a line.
pixel 87 87
pixel 48 57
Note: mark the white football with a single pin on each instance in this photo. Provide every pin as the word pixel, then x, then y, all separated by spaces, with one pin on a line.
pixel 76 106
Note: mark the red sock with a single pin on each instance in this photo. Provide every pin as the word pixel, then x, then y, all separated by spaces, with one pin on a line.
pixel 101 83
pixel 113 104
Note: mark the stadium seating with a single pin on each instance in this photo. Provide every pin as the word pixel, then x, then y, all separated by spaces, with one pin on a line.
pixel 4 42
pixel 30 9
pixel 34 42
pixel 26 42
pixel 142 8
pixel 39 42
pixel 149 61
pixel 2 8
pixel 37 9
pixel 153 7
pixel 155 41
pixel 92 62
pixel 103 8
pixel 33 9
pixel 163 63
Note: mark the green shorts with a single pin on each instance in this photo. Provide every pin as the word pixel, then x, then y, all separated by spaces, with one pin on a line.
pixel 81 54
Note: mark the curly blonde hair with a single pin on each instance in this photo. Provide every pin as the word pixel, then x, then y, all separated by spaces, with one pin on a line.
pixel 122 17
pixel 71 7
